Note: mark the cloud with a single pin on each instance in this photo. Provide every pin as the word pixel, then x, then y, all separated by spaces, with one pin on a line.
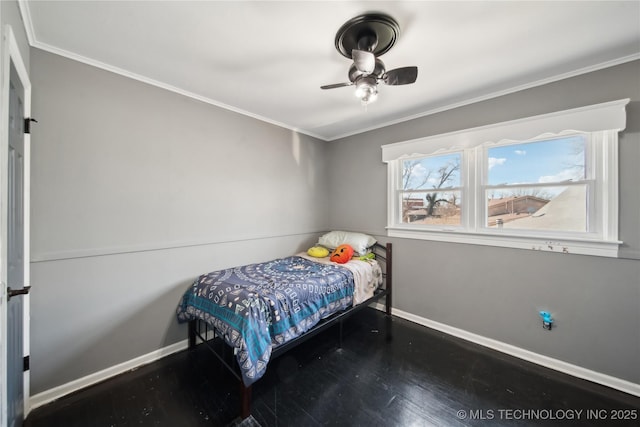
pixel 419 170
pixel 434 181
pixel 563 175
pixel 493 161
pixel 520 152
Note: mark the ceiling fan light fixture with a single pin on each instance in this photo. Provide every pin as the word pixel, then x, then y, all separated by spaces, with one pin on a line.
pixel 367 90
pixel 363 39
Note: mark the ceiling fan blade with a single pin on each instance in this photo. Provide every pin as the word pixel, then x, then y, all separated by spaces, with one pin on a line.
pixel 401 76
pixel 364 61
pixel 335 85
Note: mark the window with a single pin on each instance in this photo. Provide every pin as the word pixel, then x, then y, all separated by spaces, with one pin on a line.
pixel 541 185
pixel 430 191
pixel 544 183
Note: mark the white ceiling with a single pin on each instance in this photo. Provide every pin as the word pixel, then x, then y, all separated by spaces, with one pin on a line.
pixel 268 59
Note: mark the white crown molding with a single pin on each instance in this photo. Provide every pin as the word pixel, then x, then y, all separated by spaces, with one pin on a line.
pixel 26 15
pixel 33 41
pixel 166 86
pixel 492 95
pixel 26 19
pixel 31 37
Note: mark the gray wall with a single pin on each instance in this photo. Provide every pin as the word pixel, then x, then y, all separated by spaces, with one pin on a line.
pixel 10 15
pixel 136 190
pixel 497 292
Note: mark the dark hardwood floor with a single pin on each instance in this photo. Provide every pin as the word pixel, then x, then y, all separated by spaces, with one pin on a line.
pixel 420 377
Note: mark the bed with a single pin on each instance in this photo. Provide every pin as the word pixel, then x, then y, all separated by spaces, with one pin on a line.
pixel 262 310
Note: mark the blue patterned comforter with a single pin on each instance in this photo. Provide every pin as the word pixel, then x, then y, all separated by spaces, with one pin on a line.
pixel 259 306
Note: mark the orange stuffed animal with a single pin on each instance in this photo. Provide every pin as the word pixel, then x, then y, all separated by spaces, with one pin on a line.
pixel 341 254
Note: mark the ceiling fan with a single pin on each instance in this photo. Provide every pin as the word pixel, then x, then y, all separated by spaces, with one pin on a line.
pixel 363 39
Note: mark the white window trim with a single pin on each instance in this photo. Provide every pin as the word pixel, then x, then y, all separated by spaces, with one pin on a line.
pixel 604 120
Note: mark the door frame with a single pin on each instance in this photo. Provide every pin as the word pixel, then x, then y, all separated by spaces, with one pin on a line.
pixel 10 53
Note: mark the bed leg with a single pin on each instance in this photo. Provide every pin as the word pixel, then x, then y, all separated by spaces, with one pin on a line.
pixel 245 397
pixel 192 334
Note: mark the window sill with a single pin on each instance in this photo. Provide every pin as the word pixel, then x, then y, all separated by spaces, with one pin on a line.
pixel 564 245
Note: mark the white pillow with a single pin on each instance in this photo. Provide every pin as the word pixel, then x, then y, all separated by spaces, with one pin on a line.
pixel 358 241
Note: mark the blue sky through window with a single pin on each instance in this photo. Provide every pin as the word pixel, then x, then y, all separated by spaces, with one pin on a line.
pixel 426 173
pixel 555 160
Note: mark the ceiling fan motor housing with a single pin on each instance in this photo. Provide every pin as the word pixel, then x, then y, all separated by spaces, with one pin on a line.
pixel 372 32
pixel 363 39
pixel 367 40
pixel 378 71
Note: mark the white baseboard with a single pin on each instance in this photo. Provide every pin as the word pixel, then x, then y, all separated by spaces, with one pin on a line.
pixel 539 359
pixel 577 371
pixel 62 390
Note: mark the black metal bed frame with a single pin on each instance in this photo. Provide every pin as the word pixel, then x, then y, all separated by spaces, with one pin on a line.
pixel 206 334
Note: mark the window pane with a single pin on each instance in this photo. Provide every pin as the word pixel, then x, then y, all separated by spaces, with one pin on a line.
pixel 431 172
pixel 541 208
pixel 434 208
pixel 552 161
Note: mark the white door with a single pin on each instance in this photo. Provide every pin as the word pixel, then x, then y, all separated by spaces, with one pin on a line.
pixel 14 235
pixel 15 253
